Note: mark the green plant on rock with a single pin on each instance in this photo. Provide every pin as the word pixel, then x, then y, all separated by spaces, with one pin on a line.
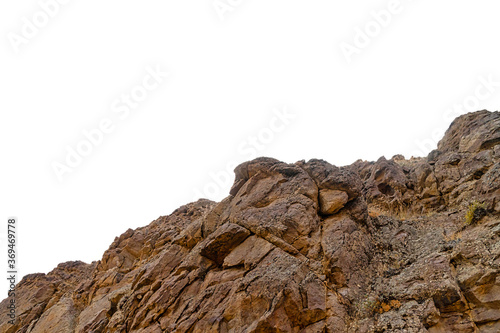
pixel 366 307
pixel 475 212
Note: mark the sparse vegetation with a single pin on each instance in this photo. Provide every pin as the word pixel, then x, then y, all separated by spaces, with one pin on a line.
pixel 366 307
pixel 397 209
pixel 475 212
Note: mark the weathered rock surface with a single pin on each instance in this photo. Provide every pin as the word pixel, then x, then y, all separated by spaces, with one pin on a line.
pixel 305 248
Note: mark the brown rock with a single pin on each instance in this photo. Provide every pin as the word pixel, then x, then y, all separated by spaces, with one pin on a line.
pixel 221 242
pixel 249 253
pixel 302 248
pixel 331 201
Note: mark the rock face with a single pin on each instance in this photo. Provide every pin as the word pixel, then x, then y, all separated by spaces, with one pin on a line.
pixel 305 248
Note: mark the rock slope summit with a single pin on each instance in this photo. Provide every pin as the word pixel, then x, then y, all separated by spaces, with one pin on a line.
pixel 394 245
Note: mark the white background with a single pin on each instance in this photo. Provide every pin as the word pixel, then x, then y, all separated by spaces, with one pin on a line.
pixel 227 78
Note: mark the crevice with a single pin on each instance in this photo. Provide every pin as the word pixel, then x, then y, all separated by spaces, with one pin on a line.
pixel 488 144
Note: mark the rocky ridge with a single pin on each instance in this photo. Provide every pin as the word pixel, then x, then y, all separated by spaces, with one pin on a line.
pixel 394 245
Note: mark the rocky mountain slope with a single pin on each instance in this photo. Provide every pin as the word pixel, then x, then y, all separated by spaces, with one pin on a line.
pixel 388 246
